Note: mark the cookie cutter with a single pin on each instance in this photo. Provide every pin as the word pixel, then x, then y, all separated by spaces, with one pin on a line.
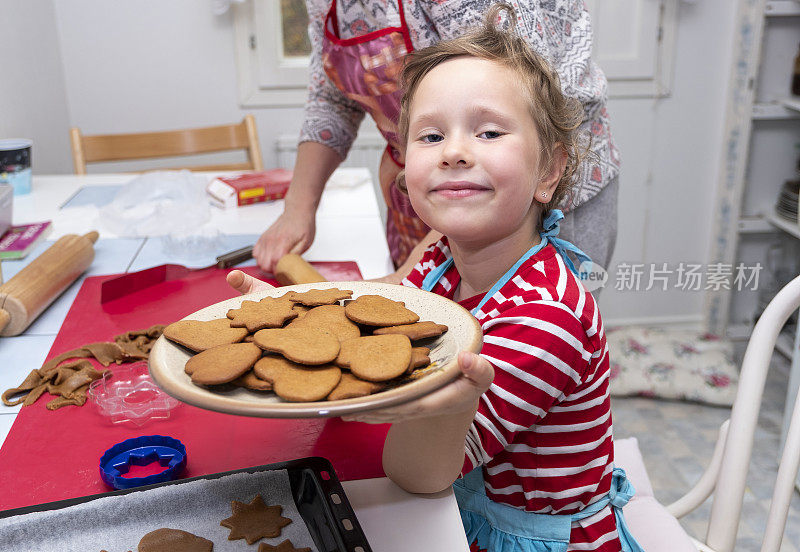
pixel 142 451
pixel 128 395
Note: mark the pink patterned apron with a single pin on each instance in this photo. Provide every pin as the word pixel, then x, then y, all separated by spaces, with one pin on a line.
pixel 367 69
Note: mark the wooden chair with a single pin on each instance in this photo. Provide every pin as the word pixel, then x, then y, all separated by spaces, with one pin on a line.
pixel 171 143
pixel 656 526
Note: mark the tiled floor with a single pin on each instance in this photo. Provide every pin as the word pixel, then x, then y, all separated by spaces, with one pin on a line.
pixel 677 438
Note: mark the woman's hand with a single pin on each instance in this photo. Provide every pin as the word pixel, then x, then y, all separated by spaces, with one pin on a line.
pixel 244 283
pixel 458 396
pixel 291 233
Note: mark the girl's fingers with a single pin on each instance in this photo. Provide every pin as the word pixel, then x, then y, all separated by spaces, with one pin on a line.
pixel 244 283
pixel 477 369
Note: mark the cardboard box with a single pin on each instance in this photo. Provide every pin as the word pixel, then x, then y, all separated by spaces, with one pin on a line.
pixel 243 189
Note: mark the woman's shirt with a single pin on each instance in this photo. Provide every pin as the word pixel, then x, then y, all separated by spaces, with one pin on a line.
pixel 559 30
pixel 543 428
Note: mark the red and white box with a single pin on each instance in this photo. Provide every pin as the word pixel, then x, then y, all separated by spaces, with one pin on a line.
pixel 247 188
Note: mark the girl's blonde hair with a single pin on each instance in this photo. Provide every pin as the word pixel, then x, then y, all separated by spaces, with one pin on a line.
pixel 557 117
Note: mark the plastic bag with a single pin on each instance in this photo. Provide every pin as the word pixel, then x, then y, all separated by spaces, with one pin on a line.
pixel 162 203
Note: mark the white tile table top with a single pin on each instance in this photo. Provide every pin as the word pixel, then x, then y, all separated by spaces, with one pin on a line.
pixel 18 356
pixel 377 500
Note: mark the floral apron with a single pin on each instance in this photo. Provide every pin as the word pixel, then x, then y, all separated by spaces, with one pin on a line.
pixel 367 69
pixel 495 527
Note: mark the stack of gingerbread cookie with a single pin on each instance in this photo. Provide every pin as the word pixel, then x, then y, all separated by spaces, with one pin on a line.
pixel 308 346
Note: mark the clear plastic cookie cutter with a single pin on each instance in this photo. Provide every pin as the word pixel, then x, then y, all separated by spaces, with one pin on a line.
pixel 128 395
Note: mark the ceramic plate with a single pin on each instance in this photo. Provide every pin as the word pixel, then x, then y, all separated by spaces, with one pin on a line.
pixel 167 359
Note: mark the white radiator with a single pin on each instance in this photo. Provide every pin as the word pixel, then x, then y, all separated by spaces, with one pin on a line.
pixel 365 152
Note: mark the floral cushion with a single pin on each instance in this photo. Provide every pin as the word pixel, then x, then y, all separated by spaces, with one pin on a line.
pixel 672 364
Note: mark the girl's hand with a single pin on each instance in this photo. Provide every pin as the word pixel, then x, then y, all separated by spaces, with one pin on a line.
pixel 458 396
pixel 244 283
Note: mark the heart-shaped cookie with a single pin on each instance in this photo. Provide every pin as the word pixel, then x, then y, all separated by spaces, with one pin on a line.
pixel 311 346
pixel 374 310
pixel 173 540
pixel 415 331
pixel 296 382
pixel 350 387
pixel 222 364
pixel 315 297
pixel 376 357
pixel 249 380
pixel 199 335
pixel 330 318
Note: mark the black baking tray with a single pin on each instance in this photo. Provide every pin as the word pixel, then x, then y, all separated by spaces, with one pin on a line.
pixel 316 490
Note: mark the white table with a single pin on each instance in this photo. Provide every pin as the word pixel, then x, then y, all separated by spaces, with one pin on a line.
pixel 348 228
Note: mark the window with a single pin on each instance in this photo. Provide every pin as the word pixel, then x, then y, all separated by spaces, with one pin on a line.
pixel 272 50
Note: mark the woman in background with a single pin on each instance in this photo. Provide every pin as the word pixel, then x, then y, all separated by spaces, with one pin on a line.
pixel 358 50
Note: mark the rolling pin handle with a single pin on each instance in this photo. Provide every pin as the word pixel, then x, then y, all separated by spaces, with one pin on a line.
pixel 92 236
pixel 293 269
pixel 5 318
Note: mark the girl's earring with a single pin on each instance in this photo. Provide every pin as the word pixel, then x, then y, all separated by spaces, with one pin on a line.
pixel 544 195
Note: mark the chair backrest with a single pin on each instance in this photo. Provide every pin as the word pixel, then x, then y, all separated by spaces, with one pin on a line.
pixel 730 482
pixel 171 143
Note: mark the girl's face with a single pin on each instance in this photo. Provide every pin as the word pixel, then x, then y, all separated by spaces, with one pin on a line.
pixel 473 151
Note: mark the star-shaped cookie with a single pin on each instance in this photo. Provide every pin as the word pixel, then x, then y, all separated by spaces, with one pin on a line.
pixel 285 546
pixel 254 521
pixel 257 315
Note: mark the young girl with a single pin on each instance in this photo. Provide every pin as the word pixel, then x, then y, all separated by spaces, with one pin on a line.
pixel 525 432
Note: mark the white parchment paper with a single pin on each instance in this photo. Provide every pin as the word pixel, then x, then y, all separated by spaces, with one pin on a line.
pixel 117 523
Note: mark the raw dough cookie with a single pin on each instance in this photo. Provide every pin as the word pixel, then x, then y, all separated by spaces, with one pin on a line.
pixel 254 521
pixel 173 540
pixel 285 546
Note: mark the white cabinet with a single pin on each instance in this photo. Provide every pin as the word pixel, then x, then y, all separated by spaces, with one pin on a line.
pixel 761 147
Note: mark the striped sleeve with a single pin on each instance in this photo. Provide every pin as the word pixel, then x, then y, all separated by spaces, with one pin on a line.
pixel 540 354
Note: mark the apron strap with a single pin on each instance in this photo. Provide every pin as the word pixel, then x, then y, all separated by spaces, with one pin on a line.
pixel 548 235
pixel 551 229
pixel 619 494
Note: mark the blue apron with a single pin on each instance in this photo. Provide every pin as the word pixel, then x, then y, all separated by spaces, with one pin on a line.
pixel 498 527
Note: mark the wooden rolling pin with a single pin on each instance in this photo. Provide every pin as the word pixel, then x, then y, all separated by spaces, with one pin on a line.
pixel 33 288
pixel 292 269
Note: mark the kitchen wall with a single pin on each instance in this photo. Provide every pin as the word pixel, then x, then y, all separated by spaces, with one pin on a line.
pixel 33 101
pixel 150 65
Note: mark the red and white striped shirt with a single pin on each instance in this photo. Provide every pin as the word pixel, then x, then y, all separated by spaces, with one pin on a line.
pixel 543 429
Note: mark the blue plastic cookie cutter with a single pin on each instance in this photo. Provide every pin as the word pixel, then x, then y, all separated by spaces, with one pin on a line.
pixel 141 451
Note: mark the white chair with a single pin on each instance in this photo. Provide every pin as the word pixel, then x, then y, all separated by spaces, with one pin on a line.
pixel 656 527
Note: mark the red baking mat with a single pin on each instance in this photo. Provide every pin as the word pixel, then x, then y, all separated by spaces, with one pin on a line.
pixel 54 455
